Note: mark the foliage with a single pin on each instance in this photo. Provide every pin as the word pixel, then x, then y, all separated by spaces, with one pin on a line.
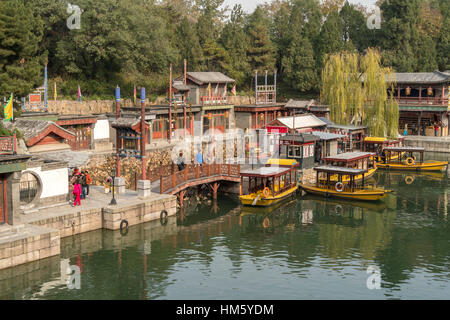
pixel 356 89
pixel 132 42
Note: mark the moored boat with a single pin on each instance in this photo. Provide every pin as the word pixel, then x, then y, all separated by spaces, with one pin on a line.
pixel 270 184
pixel 378 144
pixel 358 160
pixel 408 162
pixel 326 187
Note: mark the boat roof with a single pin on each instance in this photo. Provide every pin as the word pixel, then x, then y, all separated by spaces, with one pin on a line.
pixel 265 172
pixel 407 149
pixel 282 162
pixel 340 170
pixel 349 156
pixel 381 139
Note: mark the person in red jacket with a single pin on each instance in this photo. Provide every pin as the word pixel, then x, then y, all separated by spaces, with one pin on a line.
pixel 77 192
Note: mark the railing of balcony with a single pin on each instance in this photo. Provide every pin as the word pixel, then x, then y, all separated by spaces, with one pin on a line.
pixel 431 101
pixel 213 100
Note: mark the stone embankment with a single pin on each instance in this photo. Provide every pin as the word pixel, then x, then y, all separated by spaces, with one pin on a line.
pixel 38 234
pixel 431 144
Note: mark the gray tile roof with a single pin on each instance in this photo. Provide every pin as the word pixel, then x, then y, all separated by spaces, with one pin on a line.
pixel 31 128
pixel 350 155
pixel 327 135
pixel 209 77
pixel 299 137
pixel 299 103
pixel 125 122
pixel 435 77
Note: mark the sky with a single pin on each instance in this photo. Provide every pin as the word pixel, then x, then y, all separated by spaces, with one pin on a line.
pixel 250 5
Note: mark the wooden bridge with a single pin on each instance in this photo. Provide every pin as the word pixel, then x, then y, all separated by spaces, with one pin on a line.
pixel 194 175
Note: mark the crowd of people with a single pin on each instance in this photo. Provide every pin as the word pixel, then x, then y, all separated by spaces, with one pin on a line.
pixel 80 180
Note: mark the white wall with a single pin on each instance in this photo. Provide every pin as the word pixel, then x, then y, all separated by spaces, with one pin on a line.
pixel 54 182
pixel 101 129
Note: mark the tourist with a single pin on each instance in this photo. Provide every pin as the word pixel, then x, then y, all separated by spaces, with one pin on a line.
pixel 424 127
pixel 88 182
pixel 180 162
pixel 436 129
pixel 83 185
pixel 199 157
pixel 77 192
pixel 405 133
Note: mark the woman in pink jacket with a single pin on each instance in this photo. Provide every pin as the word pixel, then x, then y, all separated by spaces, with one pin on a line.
pixel 77 192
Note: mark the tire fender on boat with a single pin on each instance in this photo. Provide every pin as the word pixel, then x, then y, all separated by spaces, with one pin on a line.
pixel 266 192
pixel 339 186
pixel 410 161
pixel 266 223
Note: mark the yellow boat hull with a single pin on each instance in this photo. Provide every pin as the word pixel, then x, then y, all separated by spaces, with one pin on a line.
pixel 426 166
pixel 249 199
pixel 346 179
pixel 362 195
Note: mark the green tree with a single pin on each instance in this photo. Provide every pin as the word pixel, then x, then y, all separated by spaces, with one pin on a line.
pixel 189 46
pixel 400 34
pixel 21 64
pixel 330 38
pixel 235 40
pixel 356 89
pixel 216 57
pixel 261 51
pixel 443 46
pixel 355 27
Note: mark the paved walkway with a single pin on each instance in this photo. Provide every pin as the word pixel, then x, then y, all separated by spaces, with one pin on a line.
pixel 96 199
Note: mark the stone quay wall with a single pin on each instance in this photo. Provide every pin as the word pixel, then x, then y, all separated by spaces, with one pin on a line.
pixel 431 144
pixel 29 244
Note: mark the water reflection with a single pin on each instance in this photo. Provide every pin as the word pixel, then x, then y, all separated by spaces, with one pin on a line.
pixel 305 248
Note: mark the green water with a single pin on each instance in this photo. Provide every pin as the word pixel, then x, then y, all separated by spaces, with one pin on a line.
pixel 310 248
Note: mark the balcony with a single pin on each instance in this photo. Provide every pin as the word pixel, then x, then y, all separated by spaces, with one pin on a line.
pixel 213 100
pixel 422 101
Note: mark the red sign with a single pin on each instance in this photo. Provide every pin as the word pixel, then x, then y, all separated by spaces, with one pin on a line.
pixel 277 129
pixel 34 98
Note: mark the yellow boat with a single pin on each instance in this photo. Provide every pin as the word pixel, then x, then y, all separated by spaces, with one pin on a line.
pixel 410 163
pixel 270 184
pixel 378 144
pixel 361 160
pixel 325 187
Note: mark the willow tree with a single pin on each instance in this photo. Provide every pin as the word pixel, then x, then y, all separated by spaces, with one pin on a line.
pixel 356 89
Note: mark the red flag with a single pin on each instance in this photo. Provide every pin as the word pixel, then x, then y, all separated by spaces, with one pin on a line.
pixel 234 90
pixel 79 93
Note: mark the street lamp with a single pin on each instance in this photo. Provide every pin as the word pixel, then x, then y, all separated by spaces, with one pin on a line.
pixel 113 200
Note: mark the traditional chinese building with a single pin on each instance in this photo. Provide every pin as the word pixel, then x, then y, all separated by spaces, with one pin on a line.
pixel 265 109
pixel 307 106
pixel 423 100
pixel 296 124
pixel 43 135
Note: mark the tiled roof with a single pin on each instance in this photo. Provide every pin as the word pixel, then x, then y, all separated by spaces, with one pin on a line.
pixel 31 128
pixel 209 77
pixel 435 77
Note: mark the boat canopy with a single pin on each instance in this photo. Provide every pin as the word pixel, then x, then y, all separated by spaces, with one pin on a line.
pixel 282 162
pixel 405 149
pixel 349 156
pixel 375 139
pixel 265 172
pixel 340 170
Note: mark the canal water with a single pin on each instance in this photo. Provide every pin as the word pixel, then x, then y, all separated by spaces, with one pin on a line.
pixel 307 248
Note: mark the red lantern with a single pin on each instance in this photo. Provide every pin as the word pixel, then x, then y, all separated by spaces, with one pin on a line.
pixel 430 91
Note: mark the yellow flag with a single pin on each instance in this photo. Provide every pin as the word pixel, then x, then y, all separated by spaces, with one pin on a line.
pixel 55 95
pixel 9 109
pixel 209 89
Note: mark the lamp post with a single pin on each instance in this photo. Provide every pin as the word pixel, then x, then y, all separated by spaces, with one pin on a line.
pixel 113 176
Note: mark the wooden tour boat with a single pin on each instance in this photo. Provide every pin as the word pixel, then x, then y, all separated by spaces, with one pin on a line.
pixel 270 184
pixel 356 160
pixel 378 144
pixel 353 191
pixel 406 160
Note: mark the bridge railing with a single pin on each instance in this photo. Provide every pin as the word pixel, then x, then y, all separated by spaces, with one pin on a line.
pixel 192 173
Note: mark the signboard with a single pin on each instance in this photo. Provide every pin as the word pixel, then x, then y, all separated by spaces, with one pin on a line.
pixel 34 98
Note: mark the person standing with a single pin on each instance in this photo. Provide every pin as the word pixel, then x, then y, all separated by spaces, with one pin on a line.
pixel 77 192
pixel 88 182
pixel 199 157
pixel 405 133
pixel 180 162
pixel 436 129
pixel 83 185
